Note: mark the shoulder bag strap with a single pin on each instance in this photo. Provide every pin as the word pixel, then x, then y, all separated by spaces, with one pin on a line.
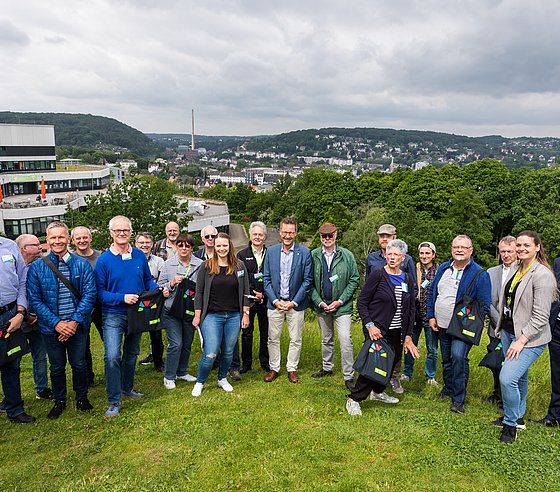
pixel 62 278
pixel 469 288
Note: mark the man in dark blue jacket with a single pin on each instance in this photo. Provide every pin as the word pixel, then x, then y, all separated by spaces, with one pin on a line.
pixel 449 285
pixel 64 316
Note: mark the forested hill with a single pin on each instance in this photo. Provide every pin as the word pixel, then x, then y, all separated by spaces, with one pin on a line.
pixel 87 130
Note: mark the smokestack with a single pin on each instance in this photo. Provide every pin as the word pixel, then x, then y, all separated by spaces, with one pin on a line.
pixel 192 125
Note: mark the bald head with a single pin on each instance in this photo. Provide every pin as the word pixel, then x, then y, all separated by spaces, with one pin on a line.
pixel 30 247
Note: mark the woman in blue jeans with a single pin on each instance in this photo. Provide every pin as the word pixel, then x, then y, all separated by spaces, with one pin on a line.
pixel 524 326
pixel 221 308
pixel 179 330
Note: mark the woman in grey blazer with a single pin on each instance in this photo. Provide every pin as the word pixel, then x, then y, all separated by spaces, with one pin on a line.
pixel 523 326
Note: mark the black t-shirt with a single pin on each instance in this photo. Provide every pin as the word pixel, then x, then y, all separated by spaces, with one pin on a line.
pixel 224 293
pixel 507 320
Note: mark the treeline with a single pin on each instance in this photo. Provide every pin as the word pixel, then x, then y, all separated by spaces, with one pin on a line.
pixel 484 200
pixel 86 130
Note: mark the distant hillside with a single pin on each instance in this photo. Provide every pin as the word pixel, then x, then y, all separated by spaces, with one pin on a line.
pixel 87 130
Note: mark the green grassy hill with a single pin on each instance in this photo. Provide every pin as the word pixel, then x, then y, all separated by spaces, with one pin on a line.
pixel 86 130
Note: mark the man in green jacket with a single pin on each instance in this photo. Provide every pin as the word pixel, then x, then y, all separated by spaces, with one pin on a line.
pixel 335 279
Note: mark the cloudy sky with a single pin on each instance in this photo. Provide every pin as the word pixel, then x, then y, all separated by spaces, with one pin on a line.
pixel 473 67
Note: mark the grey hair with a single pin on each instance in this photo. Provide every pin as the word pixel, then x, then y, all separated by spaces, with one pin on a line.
pixel 399 244
pixel 507 240
pixel 258 223
pixel 119 217
pixel 80 228
pixel 209 227
pixel 57 223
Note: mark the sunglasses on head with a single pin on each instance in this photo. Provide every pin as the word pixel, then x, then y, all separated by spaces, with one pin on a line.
pixel 327 236
pixel 210 236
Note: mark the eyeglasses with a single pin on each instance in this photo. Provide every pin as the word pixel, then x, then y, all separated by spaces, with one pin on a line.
pixel 327 236
pixel 38 245
pixel 119 232
pixel 287 233
pixel 461 247
pixel 210 236
pixel 184 245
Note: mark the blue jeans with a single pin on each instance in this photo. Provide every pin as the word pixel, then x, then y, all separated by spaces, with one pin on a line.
pixel 514 379
pixel 219 332
pixel 39 357
pixel 75 346
pixel 432 338
pixel 180 335
pixel 119 368
pixel 455 363
pixel 10 376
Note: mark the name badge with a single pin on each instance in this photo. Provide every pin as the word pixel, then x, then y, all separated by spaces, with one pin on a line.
pixel 127 256
pixel 258 275
pixel 66 257
pixel 404 287
pixel 241 273
pixel 7 258
pixel 425 284
pixel 334 278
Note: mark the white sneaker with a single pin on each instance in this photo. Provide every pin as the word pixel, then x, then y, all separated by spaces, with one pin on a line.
pixel 169 384
pixel 397 386
pixel 188 378
pixel 384 397
pixel 353 407
pixel 224 384
pixel 197 389
pixel 404 377
pixel 432 382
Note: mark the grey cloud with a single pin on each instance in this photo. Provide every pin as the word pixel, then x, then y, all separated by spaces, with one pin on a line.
pixel 11 35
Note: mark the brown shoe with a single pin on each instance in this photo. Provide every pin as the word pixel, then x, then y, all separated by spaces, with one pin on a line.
pixel 293 377
pixel 271 376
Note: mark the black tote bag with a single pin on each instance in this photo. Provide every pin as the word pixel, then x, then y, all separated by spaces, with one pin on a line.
pixel 375 361
pixel 495 355
pixel 12 346
pixel 145 315
pixel 183 302
pixel 467 321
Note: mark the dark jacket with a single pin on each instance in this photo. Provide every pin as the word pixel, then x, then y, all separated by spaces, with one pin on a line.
pixel 42 291
pixel 377 303
pixel 482 289
pixel 204 282
pixel 256 278
pixel 555 309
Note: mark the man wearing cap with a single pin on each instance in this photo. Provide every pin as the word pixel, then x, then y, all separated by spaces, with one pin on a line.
pixel 425 272
pixel 375 261
pixel 287 276
pixel 498 277
pixel 335 279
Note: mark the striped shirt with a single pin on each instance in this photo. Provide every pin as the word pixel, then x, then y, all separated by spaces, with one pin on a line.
pixel 65 298
pixel 397 318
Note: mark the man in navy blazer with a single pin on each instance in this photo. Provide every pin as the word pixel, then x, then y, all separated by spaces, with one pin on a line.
pixel 288 276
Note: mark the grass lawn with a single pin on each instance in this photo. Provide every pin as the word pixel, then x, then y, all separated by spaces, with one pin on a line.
pixel 278 436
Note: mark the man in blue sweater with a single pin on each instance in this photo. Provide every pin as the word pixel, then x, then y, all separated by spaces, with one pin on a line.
pixel 121 273
pixel 450 283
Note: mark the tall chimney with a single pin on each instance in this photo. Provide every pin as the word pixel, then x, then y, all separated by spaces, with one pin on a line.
pixel 192 125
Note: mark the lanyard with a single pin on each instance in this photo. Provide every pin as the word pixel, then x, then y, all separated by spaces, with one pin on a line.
pixel 259 264
pixel 516 279
pixel 186 274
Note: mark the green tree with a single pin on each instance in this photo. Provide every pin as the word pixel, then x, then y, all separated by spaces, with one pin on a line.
pixel 147 201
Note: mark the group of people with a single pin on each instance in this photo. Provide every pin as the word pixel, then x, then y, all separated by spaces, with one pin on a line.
pixel 221 294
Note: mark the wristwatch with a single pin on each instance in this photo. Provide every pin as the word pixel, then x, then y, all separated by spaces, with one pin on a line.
pixel 23 312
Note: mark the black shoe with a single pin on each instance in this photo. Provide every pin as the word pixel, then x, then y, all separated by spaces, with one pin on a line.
pixel 235 376
pixel 443 395
pixel 148 360
pixel 244 369
pixel 84 405
pixel 45 394
pixel 500 422
pixel 322 373
pixel 22 418
pixel 158 368
pixel 458 407
pixel 546 422
pixel 492 399
pixel 509 434
pixel 349 384
pixel 265 367
pixel 58 408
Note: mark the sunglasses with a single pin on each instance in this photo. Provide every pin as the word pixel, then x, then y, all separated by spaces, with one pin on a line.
pixel 210 236
pixel 327 236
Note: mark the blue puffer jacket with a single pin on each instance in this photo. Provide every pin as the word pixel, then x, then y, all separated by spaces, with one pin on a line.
pixel 42 292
